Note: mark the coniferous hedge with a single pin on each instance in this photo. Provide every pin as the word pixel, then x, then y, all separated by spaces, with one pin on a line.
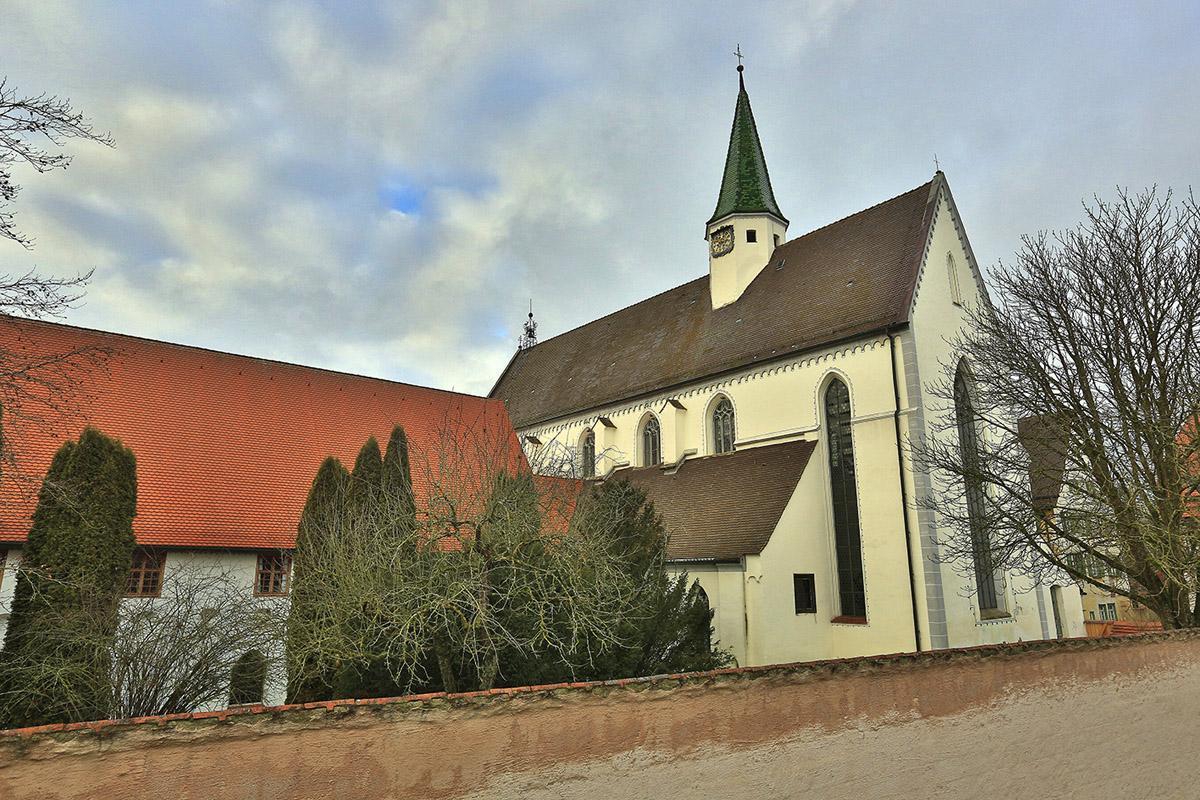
pixel 668 627
pixel 318 521
pixel 74 568
pixel 381 483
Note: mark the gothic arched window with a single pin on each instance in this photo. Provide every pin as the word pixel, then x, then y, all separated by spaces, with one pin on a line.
pixel 968 444
pixel 651 442
pixel 723 432
pixel 847 537
pixel 587 454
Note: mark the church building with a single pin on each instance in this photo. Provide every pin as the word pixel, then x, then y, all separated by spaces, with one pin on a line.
pixel 767 408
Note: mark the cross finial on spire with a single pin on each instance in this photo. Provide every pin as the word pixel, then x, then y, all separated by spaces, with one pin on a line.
pixel 529 332
pixel 937 167
pixel 738 53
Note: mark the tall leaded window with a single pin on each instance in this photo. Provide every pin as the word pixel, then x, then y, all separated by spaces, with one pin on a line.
pixel 651 443
pixel 847 537
pixel 968 443
pixel 587 454
pixel 722 426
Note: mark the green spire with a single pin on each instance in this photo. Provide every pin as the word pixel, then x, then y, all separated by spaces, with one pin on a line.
pixel 746 186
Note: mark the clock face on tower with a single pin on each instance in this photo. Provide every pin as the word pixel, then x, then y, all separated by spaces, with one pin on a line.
pixel 720 241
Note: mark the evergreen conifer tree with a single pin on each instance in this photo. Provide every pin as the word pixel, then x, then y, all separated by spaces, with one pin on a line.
pixel 318 520
pixel 397 472
pixel 366 479
pixel 75 565
pixel 668 626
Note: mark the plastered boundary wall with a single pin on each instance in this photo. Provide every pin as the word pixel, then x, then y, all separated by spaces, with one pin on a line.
pixel 1077 718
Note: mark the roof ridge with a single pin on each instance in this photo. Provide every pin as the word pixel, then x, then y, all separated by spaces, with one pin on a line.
pixel 705 277
pixel 674 469
pixel 615 312
pixel 840 220
pixel 198 348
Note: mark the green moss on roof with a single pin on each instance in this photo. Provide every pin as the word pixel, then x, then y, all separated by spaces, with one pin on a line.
pixel 745 186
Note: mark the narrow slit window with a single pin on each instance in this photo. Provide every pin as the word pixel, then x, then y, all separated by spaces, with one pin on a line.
pixel 952 273
pixel 587 454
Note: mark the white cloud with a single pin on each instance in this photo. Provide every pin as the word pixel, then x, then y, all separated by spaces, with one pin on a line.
pixel 565 152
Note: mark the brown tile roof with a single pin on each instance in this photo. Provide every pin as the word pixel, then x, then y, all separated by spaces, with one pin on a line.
pixel 849 278
pixel 726 506
pixel 226 446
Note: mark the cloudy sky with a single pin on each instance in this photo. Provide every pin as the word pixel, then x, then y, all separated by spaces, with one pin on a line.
pixel 382 187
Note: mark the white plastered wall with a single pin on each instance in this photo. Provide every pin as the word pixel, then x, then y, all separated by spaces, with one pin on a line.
pixel 239 567
pixel 948 588
pixel 774 404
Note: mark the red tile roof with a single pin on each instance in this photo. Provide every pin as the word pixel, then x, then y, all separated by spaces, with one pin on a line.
pixel 226 445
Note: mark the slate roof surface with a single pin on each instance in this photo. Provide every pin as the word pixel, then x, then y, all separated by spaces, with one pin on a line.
pixel 745 184
pixel 849 278
pixel 227 446
pixel 724 506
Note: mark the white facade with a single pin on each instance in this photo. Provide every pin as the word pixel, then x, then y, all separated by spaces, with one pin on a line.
pixel 235 569
pixel 886 374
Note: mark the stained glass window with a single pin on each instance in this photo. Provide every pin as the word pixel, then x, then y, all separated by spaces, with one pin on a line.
pixel 847 537
pixel 722 425
pixel 651 443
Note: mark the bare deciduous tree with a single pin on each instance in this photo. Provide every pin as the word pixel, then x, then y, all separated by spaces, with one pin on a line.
pixel 37 385
pixel 1081 382
pixel 176 652
pixel 170 654
pixel 32 128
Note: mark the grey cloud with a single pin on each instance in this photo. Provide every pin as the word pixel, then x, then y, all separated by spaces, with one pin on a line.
pixel 569 152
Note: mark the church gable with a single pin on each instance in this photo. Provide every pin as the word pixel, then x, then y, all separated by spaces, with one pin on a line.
pixel 847 279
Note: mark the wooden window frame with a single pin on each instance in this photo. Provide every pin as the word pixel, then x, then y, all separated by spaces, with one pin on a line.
pixel 273 567
pixel 804 592
pixel 146 562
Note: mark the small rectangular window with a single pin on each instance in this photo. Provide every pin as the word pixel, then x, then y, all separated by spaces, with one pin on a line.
pixel 273 574
pixel 805 587
pixel 146 574
pixel 777 240
pixel 751 235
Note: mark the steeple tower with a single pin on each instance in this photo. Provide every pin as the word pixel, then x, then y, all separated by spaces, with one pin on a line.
pixel 747 224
